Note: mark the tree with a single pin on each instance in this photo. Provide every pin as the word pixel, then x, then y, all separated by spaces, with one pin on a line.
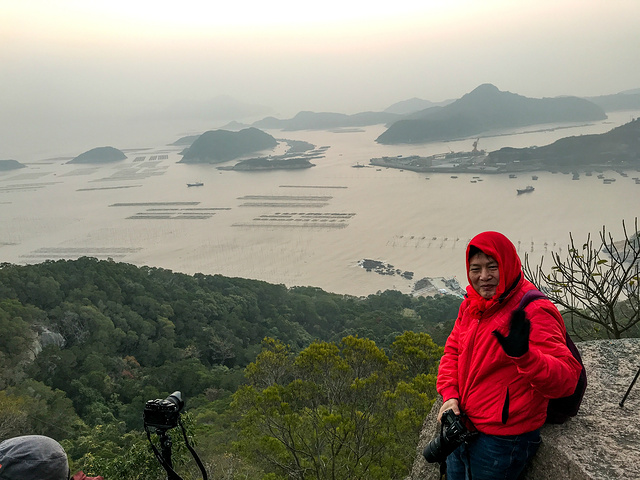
pixel 333 411
pixel 598 284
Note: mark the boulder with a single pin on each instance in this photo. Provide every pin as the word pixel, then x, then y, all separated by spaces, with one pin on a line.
pixel 601 443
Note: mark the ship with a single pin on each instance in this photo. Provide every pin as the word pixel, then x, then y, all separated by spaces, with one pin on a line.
pixel 527 189
pixel 195 184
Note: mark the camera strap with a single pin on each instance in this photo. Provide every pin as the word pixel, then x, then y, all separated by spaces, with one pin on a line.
pixel 443 463
pixel 172 475
pixel 193 452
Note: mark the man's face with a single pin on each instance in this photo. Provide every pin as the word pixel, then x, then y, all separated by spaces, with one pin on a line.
pixel 484 275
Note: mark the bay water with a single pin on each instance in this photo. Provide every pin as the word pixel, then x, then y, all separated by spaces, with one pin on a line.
pixel 308 227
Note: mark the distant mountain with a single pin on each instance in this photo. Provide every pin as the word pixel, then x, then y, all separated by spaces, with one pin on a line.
pixel 414 105
pixel 617 148
pixel 220 108
pixel 217 146
pixel 99 155
pixel 629 100
pixel 234 126
pixel 326 120
pixel 485 109
pixel 185 141
pixel 6 165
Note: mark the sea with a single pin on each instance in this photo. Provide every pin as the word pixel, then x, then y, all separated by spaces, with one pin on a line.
pixel 309 227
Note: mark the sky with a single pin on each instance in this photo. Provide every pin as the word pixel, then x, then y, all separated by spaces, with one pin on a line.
pixel 66 65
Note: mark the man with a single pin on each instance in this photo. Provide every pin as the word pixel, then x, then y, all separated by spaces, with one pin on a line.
pixel 501 368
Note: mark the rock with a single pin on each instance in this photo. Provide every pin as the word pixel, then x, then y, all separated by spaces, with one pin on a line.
pixel 601 443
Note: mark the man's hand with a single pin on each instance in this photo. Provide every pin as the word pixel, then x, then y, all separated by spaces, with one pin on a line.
pixel 452 404
pixel 517 343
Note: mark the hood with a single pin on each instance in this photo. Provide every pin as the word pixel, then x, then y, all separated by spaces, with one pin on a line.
pixel 504 252
pixel 33 457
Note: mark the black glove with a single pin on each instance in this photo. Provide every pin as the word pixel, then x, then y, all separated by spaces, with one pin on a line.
pixel 517 343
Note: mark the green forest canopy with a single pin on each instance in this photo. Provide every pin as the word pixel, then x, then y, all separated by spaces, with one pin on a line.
pixel 86 343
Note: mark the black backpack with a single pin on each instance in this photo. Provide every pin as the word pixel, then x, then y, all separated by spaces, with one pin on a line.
pixel 561 409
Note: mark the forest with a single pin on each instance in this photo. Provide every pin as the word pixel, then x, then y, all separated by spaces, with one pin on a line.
pixel 279 382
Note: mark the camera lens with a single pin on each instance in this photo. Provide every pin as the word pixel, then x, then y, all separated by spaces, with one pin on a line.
pixel 176 399
pixel 433 451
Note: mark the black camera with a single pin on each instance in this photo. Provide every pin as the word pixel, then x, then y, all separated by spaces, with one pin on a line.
pixel 455 430
pixel 163 414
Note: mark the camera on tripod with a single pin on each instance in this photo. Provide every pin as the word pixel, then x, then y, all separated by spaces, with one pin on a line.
pixel 455 430
pixel 163 414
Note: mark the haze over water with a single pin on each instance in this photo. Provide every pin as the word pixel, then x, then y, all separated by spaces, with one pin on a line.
pixel 305 227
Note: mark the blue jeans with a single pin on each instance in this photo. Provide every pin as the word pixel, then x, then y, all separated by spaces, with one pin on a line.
pixel 492 457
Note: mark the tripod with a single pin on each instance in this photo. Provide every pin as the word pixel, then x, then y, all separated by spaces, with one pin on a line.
pixel 630 387
pixel 164 456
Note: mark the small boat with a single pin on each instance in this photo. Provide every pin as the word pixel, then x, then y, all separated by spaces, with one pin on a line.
pixel 195 184
pixel 527 189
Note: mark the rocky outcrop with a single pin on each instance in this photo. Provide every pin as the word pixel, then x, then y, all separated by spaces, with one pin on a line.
pixel 601 443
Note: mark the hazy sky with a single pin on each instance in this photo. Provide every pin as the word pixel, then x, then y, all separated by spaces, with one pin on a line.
pixel 80 60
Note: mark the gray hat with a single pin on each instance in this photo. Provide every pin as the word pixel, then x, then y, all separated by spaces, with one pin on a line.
pixel 33 457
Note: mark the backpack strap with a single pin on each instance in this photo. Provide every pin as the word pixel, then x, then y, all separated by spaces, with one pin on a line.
pixel 561 409
pixel 530 296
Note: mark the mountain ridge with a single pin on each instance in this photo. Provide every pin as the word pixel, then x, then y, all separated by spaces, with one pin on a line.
pixel 484 109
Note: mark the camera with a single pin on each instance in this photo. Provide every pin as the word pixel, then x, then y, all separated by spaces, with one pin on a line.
pixel 455 430
pixel 163 414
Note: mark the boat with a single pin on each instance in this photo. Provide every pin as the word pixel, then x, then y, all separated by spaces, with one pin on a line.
pixel 357 165
pixel 527 189
pixel 195 184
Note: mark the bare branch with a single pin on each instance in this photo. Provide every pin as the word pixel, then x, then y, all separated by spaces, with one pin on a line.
pixel 599 284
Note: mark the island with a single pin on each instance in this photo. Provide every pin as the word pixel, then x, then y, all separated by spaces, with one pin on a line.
pixel 265 163
pixel 298 156
pixel 99 155
pixel 487 109
pixel 6 165
pixel 618 148
pixel 216 146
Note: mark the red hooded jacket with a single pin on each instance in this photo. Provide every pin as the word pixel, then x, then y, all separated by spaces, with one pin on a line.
pixel 505 395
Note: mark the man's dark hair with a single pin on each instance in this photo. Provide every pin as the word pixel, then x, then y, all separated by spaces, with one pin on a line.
pixel 473 250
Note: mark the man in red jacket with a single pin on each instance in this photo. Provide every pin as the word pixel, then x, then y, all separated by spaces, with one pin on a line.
pixel 501 368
